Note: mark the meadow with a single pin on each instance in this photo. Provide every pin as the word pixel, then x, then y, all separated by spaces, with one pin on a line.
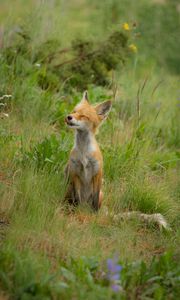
pixel 50 52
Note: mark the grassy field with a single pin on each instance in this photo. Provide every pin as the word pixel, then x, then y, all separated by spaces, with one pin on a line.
pixel 45 252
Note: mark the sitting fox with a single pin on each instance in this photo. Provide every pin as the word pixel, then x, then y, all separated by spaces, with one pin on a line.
pixel 85 166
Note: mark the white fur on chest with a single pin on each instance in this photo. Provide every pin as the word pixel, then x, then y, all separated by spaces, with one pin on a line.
pixel 85 168
pixel 82 163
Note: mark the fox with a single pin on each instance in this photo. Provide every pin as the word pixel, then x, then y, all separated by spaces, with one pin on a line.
pixel 84 170
pixel 85 165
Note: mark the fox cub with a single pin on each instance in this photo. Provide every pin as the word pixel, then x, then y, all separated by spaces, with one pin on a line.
pixel 85 165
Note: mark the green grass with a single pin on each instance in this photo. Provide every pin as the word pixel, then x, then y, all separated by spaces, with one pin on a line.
pixel 47 253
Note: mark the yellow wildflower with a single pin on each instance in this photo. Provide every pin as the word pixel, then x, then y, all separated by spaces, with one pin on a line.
pixel 126 26
pixel 133 48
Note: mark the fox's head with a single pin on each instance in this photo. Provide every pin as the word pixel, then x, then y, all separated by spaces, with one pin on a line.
pixel 86 116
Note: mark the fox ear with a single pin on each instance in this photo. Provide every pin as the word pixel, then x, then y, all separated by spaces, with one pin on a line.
pixel 85 97
pixel 103 109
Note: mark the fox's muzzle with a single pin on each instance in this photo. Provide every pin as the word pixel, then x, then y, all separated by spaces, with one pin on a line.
pixel 68 119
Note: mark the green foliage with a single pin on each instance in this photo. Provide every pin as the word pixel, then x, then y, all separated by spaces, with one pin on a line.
pixel 48 80
pixel 157 281
pixel 24 282
pixel 87 63
pixel 141 197
pixel 121 159
pixel 84 63
pixel 158 26
pixel 46 50
pixel 162 161
pixel 107 57
pixel 84 278
pixel 51 153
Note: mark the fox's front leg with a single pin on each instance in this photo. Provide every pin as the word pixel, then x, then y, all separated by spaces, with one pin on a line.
pixel 97 193
pixel 72 195
pixel 77 189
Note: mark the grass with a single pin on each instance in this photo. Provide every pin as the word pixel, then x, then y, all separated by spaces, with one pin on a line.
pixel 47 253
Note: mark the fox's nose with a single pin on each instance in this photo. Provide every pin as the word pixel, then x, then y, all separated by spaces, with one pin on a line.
pixel 69 118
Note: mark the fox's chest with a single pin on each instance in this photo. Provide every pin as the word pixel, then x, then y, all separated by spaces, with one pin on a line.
pixel 85 168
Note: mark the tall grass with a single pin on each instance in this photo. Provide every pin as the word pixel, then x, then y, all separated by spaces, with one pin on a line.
pixel 47 252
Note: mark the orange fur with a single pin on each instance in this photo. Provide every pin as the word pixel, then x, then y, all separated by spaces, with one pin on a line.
pixel 85 165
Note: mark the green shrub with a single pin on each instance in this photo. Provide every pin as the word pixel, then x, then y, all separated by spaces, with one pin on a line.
pixel 78 66
pixel 31 277
pixel 51 153
pixel 157 281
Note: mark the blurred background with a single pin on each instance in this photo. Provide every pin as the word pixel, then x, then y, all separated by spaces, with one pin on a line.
pixel 157 24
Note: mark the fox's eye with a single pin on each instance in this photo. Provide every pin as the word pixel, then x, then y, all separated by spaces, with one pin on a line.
pixel 85 117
